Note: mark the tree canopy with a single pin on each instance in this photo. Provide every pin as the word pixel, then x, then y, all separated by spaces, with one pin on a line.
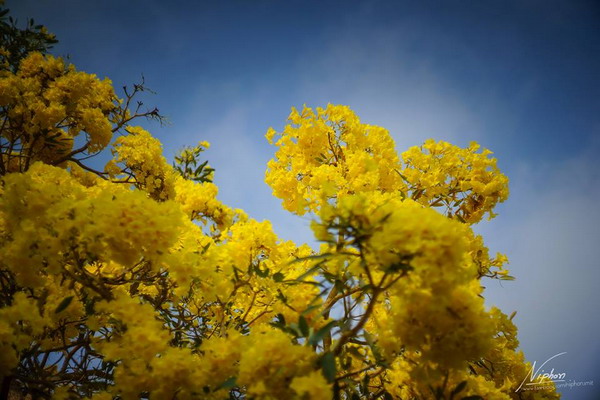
pixel 133 280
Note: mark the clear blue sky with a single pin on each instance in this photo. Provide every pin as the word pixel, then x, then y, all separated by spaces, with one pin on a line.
pixel 520 77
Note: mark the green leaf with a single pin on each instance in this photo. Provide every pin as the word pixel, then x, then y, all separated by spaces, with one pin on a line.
pixel 314 257
pixel 279 322
pixel 475 397
pixel 404 178
pixel 400 266
pixel 310 308
pixel 339 285
pixel 282 297
pixel 228 384
pixel 303 326
pixel 507 278
pixel 201 167
pixel 262 273
pixel 317 336
pixel 327 363
pixel 89 307
pixel 294 329
pixel 328 276
pixel 64 304
pixel 308 272
pixel 280 318
pixel 278 277
pixel 459 388
pixel 385 218
pixel 371 341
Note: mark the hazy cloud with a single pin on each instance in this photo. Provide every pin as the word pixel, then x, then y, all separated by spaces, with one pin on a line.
pixel 549 228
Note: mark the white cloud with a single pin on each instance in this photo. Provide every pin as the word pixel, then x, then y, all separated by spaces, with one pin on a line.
pixel 549 229
pixel 389 83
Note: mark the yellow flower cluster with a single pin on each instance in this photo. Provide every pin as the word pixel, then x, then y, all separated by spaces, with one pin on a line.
pixel 19 324
pixel 141 154
pixel 56 221
pixel 46 104
pixel 329 154
pixel 147 362
pixel 312 386
pixel 250 255
pixel 391 231
pixel 434 306
pixel 469 184
pixel 199 202
pixel 270 361
pixel 449 325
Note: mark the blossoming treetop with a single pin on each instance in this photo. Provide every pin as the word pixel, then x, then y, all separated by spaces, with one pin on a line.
pixel 134 281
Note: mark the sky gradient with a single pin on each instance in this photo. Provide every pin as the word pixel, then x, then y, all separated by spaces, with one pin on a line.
pixel 520 77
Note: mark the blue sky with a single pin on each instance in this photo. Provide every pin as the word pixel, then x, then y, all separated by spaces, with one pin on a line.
pixel 520 77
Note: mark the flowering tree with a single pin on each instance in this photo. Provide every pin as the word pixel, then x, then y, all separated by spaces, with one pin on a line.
pixel 134 281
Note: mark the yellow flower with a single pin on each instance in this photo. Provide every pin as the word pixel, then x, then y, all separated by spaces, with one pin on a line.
pixel 312 386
